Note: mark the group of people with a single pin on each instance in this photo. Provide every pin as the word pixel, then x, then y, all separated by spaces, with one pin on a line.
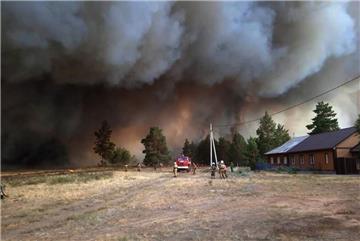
pixel 222 170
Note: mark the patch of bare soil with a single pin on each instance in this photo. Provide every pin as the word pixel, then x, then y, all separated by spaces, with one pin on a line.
pixel 156 206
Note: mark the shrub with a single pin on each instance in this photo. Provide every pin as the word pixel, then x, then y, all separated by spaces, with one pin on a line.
pixel 120 156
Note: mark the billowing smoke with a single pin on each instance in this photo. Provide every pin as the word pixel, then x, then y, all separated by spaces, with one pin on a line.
pixel 66 66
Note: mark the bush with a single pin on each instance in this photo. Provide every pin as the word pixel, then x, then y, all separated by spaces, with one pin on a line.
pixel 244 169
pixel 120 156
pixel 290 170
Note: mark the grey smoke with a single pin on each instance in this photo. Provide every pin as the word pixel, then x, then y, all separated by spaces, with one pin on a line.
pixel 68 65
pixel 130 44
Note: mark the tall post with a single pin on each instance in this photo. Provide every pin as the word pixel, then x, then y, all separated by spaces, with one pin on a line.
pixel 210 141
pixel 216 160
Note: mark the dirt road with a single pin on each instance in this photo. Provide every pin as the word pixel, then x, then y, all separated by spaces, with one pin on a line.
pixel 156 206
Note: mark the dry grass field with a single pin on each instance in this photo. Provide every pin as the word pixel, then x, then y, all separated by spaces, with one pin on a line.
pixel 117 205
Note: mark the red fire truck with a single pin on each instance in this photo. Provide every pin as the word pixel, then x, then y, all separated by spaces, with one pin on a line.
pixel 183 163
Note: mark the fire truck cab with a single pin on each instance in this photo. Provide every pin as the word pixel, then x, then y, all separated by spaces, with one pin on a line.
pixel 183 163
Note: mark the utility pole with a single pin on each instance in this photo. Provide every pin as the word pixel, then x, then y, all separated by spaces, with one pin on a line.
pixel 212 145
pixel 210 141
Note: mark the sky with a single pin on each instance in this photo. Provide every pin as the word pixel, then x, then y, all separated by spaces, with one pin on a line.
pixel 67 66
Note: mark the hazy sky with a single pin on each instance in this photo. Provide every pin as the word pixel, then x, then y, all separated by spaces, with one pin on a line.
pixel 66 66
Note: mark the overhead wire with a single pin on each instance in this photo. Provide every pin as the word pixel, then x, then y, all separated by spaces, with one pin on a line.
pixel 290 107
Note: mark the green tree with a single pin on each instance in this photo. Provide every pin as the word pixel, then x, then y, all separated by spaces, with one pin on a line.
pixel 120 156
pixel 270 135
pixel 324 121
pixel 202 154
pixel 266 134
pixel 189 149
pixel 252 154
pixel 281 135
pixel 193 148
pixel 237 149
pixel 103 146
pixel 156 150
pixel 357 124
pixel 186 148
pixel 222 149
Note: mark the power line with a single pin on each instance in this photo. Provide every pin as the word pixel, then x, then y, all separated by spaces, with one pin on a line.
pixel 291 107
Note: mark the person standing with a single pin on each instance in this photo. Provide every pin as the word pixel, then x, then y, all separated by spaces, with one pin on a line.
pixel 3 194
pixel 213 170
pixel 222 170
pixel 175 169
pixel 232 167
pixel 194 166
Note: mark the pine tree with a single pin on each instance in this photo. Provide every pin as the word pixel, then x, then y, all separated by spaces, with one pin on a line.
pixel 237 149
pixel 252 154
pixel 266 134
pixel 223 148
pixel 189 149
pixel 156 150
pixel 186 149
pixel 270 135
pixel 357 124
pixel 202 154
pixel 281 135
pixel 324 121
pixel 103 146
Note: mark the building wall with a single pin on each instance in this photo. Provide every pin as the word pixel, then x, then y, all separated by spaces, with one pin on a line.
pixel 283 158
pixel 343 148
pixel 319 160
pixel 294 160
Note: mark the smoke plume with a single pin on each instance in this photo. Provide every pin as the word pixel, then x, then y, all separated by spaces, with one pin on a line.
pixel 66 66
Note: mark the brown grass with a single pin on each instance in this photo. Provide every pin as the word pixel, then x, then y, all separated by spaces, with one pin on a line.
pixel 156 206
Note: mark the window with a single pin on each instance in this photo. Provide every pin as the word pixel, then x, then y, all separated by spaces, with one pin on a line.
pixel 285 160
pixel 311 159
pixel 292 159
pixel 278 160
pixel 301 159
pixel 326 158
pixel 272 160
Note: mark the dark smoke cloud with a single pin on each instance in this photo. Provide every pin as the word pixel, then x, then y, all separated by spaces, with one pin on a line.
pixel 66 66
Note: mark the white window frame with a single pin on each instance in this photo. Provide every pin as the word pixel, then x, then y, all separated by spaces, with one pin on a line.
pixel 293 160
pixel 278 160
pixel 285 160
pixel 301 157
pixel 312 159
pixel 326 158
pixel 272 160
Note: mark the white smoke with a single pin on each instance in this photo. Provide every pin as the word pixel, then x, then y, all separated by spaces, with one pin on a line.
pixel 273 45
pixel 177 65
pixel 317 31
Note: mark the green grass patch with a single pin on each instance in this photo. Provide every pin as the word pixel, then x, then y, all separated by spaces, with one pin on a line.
pixel 58 179
pixel 79 178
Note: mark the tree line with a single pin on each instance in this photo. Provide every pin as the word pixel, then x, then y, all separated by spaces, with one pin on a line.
pixel 233 148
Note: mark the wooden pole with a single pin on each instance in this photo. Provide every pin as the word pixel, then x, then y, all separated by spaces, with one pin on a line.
pixel 210 140
pixel 216 160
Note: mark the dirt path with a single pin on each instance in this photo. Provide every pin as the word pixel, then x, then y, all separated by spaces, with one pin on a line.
pixel 155 206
